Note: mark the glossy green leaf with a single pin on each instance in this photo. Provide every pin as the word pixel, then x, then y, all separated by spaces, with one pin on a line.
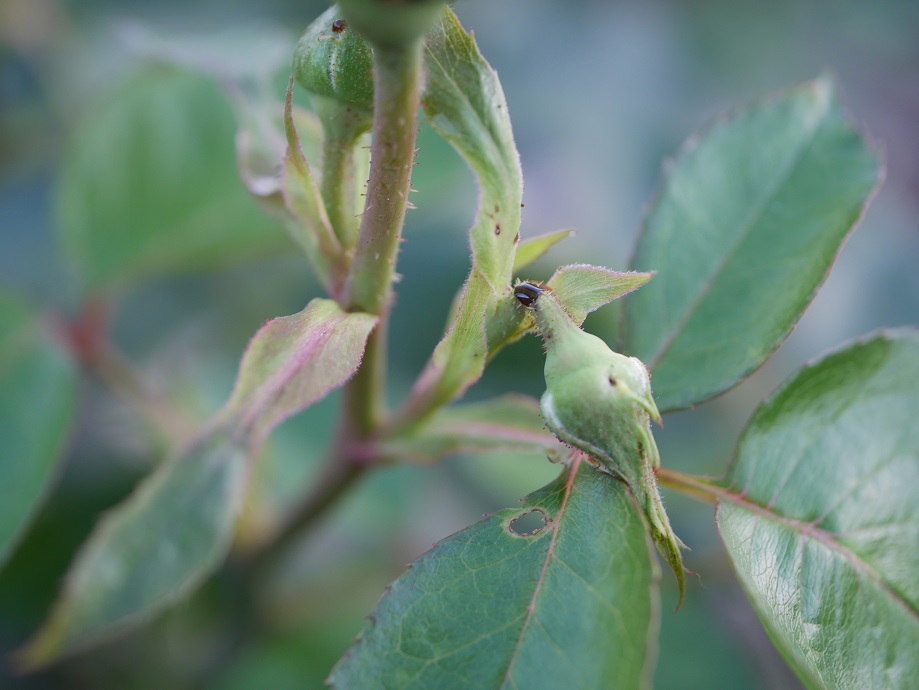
pixel 560 592
pixel 582 288
pixel 533 248
pixel 38 383
pixel 149 184
pixel 510 423
pixel 747 224
pixel 151 550
pixel 293 361
pixel 464 102
pixel 821 518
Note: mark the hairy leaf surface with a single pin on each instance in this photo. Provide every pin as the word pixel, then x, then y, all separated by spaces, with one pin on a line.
pixel 293 361
pixel 583 288
pixel 464 102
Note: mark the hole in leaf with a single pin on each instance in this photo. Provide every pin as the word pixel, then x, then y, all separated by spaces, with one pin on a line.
pixel 529 523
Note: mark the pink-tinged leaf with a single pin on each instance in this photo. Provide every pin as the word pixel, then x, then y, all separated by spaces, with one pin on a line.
pixel 583 288
pixel 293 361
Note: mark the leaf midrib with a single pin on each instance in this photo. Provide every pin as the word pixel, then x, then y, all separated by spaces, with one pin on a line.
pixel 550 553
pixel 810 529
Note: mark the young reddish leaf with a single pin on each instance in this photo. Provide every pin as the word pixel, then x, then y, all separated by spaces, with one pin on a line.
pixel 509 423
pixel 38 383
pixel 149 551
pixel 747 225
pixel 293 361
pixel 582 288
pixel 821 520
pixel 560 592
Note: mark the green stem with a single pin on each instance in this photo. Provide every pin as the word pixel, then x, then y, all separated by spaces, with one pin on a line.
pixel 397 80
pixel 700 488
pixel 396 93
pixel 337 478
pixel 397 71
pixel 87 337
pixel 342 127
pixel 363 396
pixel 123 380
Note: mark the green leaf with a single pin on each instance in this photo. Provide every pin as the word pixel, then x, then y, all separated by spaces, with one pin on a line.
pixel 821 518
pixel 38 383
pixel 566 597
pixel 465 104
pixel 151 550
pixel 293 361
pixel 149 184
pixel 459 358
pixel 533 248
pixel 509 423
pixel 748 222
pixel 582 288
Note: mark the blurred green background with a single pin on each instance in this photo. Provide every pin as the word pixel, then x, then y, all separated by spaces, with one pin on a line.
pixel 600 93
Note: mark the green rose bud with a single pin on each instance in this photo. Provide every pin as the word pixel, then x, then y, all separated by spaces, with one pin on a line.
pixel 600 402
pixel 333 62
